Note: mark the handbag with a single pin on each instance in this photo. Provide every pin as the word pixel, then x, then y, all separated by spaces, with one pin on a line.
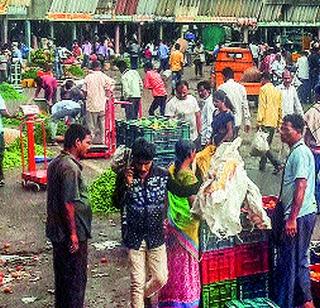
pixel 260 143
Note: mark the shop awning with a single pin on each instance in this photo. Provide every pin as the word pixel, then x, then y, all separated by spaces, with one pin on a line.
pixel 304 13
pixel 72 10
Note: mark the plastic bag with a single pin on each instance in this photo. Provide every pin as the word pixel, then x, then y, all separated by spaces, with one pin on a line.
pixel 260 143
pixel 120 159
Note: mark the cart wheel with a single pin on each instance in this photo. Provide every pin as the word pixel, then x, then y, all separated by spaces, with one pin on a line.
pixel 24 183
pixel 36 187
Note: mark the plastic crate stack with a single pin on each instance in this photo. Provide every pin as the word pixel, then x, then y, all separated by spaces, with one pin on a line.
pixel 161 131
pixel 233 269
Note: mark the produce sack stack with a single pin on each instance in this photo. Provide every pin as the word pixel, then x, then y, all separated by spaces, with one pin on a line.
pixel 161 131
pixel 234 246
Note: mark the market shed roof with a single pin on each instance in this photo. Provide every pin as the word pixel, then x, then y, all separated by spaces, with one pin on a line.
pixel 147 7
pixel 126 7
pixel 72 9
pixel 305 13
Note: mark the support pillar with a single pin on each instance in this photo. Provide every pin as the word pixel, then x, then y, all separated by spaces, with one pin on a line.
pixel 74 31
pixel 139 34
pixel 266 35
pixel 125 30
pixel 27 33
pixel 246 35
pixel 161 32
pixel 4 29
pixel 318 33
pixel 117 39
pixel 51 30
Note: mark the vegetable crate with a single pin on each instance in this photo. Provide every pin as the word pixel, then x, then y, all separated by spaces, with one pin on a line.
pixel 162 132
pixel 315 283
pixel 216 295
pixel 259 302
pixel 252 259
pixel 218 265
pixel 250 287
pixel 209 241
pixel 253 236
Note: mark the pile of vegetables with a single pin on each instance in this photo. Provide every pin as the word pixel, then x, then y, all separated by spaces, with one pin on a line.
pixel 101 191
pixel 157 123
pixel 76 71
pixel 30 73
pixel 41 57
pixel 12 154
pixel 9 93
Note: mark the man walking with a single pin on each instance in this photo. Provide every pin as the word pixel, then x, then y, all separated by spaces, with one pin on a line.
pixel 163 55
pixel 154 82
pixel 69 219
pixel 141 196
pixel 185 107
pixel 290 100
pixel 269 117
pixel 132 87
pixel 303 76
pixel 238 96
pixel 207 109
pixel 97 88
pixel 292 276
pixel 176 65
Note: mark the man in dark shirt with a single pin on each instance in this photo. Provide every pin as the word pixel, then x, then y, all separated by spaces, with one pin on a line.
pixel 314 67
pixel 141 195
pixel 69 219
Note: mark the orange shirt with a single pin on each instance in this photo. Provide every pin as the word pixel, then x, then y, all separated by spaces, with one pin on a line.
pixel 176 61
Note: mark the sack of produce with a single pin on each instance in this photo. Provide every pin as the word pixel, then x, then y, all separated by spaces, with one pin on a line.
pixel 10 135
pixel 260 143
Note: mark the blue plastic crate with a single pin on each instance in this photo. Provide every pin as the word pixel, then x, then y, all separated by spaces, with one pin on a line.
pixel 253 286
pixel 209 241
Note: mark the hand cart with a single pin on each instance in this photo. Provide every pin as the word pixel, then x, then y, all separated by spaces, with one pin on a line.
pixel 31 175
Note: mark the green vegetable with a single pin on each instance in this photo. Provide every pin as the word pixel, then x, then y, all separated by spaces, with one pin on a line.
pixel 12 155
pixel 30 74
pixel 76 71
pixel 41 57
pixel 101 191
pixel 9 93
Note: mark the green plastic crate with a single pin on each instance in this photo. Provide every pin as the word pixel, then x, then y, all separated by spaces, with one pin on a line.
pixel 259 302
pixel 216 295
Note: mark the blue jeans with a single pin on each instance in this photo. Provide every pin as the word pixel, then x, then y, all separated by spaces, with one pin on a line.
pixel 291 275
pixel 134 61
pixel 176 77
pixel 164 64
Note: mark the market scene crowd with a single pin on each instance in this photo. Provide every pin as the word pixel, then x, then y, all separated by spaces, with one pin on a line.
pixel 164 208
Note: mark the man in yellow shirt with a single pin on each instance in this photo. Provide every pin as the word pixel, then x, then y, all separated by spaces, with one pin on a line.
pixel 269 117
pixel 176 65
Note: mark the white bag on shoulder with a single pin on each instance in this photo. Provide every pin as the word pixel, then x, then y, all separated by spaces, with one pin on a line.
pixel 260 143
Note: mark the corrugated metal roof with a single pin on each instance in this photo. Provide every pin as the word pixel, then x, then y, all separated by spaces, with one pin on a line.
pixel 230 8
pixel 147 7
pixel 105 7
pixel 126 7
pixel 20 2
pixel 304 13
pixel 73 6
pixel 271 13
pixel 166 8
pixel 187 8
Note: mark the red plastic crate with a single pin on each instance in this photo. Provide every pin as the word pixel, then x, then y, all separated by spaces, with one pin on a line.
pixel 252 259
pixel 315 281
pixel 218 265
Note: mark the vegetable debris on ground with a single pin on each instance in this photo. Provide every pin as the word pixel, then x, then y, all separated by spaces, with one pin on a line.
pixel 101 191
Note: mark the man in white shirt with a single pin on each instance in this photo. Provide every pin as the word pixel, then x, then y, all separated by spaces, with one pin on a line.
pixel 238 96
pixel 185 107
pixel 303 76
pixel 277 68
pixel 132 87
pixel 255 53
pixel 290 100
pixel 97 88
pixel 207 110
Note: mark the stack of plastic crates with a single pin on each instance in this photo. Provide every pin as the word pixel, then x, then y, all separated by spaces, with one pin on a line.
pixel 162 132
pixel 236 268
